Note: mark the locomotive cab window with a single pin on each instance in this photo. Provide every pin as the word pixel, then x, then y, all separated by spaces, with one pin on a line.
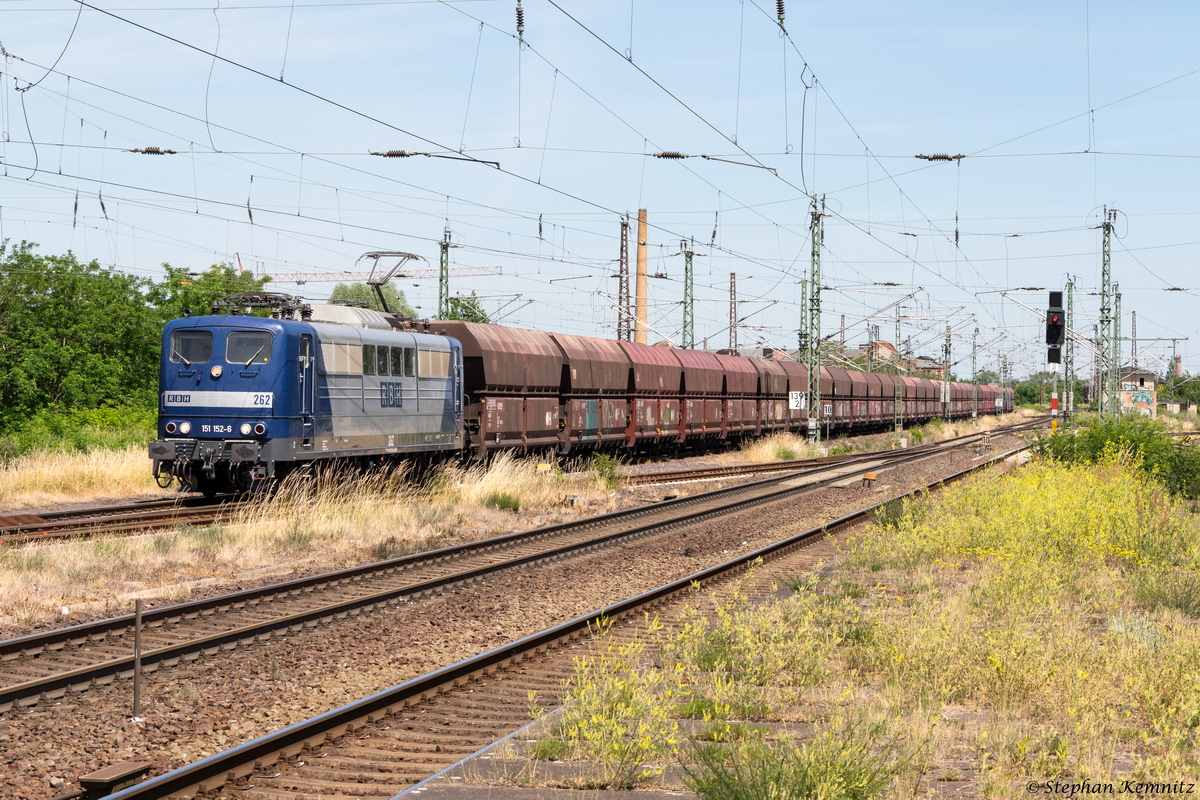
pixel 248 347
pixel 383 360
pixel 410 362
pixel 191 347
pixel 398 361
pixel 368 354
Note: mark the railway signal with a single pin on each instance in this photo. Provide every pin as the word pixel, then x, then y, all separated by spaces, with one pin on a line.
pixel 1056 328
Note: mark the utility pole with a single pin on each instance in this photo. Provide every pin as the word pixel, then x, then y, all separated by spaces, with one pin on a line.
pixel 974 375
pixel 640 317
pixel 870 349
pixel 1104 343
pixel 1069 355
pixel 733 343
pixel 444 277
pixel 689 318
pixel 816 236
pixel 946 375
pixel 623 308
pixel 842 333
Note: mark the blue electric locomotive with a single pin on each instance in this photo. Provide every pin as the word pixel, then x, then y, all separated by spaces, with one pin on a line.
pixel 244 399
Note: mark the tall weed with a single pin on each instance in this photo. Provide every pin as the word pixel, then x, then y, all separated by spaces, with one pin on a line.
pixel 619 714
pixel 841 762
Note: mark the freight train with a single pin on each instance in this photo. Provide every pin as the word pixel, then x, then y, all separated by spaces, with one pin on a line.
pixel 246 399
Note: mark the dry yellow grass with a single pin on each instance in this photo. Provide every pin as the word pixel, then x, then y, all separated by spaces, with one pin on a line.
pixel 787 446
pixel 326 519
pixel 774 447
pixel 51 478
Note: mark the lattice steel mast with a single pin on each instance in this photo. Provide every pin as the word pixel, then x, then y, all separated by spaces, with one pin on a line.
pixel 444 277
pixel 624 315
pixel 1069 356
pixel 816 234
pixel 689 298
pixel 1106 394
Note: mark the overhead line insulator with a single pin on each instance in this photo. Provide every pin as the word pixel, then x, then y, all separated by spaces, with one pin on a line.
pixel 153 151
pixel 779 11
pixel 670 154
pixel 397 154
pixel 940 157
pixel 520 22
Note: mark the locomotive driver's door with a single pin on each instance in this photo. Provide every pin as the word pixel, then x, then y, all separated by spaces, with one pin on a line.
pixel 308 389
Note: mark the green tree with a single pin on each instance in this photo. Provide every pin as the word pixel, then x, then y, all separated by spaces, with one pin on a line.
pixel 468 308
pixel 1181 388
pixel 195 292
pixel 72 335
pixel 362 293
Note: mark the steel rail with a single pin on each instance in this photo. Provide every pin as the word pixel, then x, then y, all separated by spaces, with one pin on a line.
pixel 213 772
pixel 733 471
pixel 32 644
pixel 21 528
pixel 56 685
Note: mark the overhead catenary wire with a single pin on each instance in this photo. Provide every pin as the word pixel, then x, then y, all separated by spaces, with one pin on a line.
pixel 349 109
pixel 306 192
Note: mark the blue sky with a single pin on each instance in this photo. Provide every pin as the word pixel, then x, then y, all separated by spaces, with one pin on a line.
pixel 1060 108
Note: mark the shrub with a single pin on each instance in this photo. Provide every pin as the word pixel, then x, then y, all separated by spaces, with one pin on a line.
pixel 784 453
pixel 549 750
pixel 503 500
pixel 847 763
pixel 79 430
pixel 607 471
pixel 1143 440
pixel 1169 587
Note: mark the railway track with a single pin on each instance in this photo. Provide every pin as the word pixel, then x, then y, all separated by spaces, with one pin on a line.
pixel 22 528
pixel 399 740
pixel 127 518
pixel 47 665
pixel 738 470
pixel 721 473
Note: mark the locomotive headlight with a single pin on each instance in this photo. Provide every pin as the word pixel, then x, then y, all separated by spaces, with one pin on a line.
pixel 185 428
pixel 216 371
pixel 245 429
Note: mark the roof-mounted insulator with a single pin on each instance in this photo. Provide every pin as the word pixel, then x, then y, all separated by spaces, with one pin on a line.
pixel 779 11
pixel 520 22
pixel 397 154
pixel 670 154
pixel 941 157
pixel 153 151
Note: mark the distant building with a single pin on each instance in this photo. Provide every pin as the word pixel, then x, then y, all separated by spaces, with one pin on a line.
pixel 1138 392
pixel 929 365
pixel 884 352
